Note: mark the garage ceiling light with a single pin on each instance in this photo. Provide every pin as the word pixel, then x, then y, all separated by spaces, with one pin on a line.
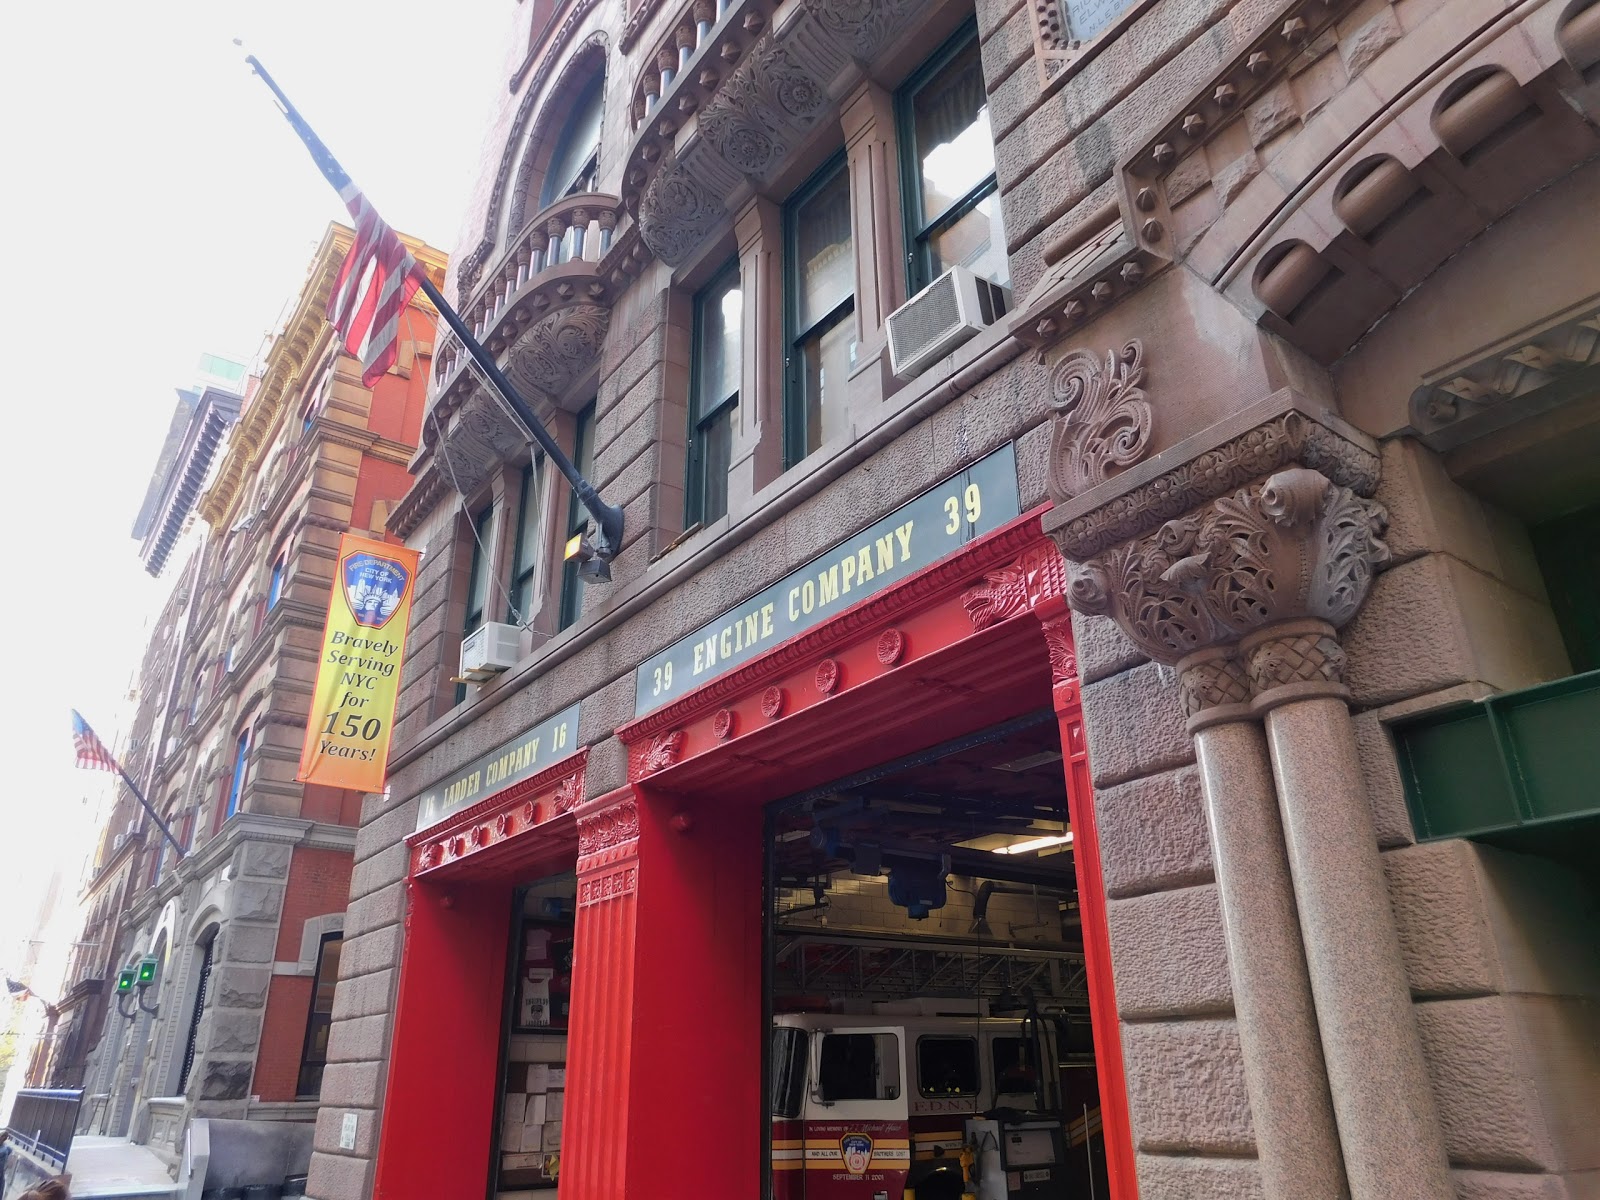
pixel 1039 843
pixel 1030 761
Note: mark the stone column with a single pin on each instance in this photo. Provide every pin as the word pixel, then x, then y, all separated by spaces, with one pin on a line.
pixel 1297 1144
pixel 1236 555
pixel 757 456
pixel 867 117
pixel 1393 1144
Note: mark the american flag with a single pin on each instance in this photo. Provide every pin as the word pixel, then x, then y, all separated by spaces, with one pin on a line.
pixel 91 750
pixel 378 277
pixel 375 284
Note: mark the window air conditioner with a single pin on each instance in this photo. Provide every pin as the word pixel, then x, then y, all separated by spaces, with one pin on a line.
pixel 490 649
pixel 939 318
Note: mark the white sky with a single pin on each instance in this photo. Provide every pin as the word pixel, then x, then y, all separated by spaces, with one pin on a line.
pixel 158 206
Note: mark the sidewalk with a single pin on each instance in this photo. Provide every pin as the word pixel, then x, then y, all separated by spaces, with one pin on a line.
pixel 104 1167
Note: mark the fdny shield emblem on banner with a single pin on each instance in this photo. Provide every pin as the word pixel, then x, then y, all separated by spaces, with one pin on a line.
pixel 374 586
pixel 856 1149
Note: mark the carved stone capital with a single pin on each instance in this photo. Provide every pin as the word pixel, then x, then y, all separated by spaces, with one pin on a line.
pixel 1298 660
pixel 1214 687
pixel 1291 546
pixel 1280 431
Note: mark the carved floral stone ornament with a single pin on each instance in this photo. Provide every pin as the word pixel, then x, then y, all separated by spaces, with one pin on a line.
pixel 1288 559
pixel 1102 420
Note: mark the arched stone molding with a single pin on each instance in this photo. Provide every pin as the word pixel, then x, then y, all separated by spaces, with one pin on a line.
pixel 495 228
pixel 587 60
pixel 311 935
pixel 1389 183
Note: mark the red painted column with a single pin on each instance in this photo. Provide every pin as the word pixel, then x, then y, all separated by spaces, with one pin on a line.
pixel 600 1083
pixel 1092 909
pixel 445 1047
pixel 665 1044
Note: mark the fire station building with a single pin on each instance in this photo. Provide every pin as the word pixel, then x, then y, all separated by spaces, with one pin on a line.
pixel 1097 694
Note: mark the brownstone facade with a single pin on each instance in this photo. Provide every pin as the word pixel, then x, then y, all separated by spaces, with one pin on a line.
pixel 1301 356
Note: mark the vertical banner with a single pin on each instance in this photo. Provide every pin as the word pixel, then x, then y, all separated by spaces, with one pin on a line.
pixel 358 673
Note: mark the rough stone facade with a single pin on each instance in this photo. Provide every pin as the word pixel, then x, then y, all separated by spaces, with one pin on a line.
pixel 1279 268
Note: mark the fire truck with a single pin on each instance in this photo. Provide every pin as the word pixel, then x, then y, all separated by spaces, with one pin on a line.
pixel 915 1102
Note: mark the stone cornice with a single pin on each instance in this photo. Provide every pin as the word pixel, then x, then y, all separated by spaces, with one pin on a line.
pixel 516 811
pixel 292 353
pixel 289 355
pixel 1098 266
pixel 1528 374
pixel 428 485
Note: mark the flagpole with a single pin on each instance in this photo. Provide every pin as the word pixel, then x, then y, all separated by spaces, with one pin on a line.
pixel 607 517
pixel 139 796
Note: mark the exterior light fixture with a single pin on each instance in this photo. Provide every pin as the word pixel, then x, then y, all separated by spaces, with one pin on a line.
pixel 133 984
pixel 583 550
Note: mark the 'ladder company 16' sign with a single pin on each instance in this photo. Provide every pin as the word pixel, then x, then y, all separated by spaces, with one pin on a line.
pixel 524 755
pixel 922 531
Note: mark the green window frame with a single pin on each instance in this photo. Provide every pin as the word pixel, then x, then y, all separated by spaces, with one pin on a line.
pixel 972 201
pixel 525 556
pixel 814 335
pixel 574 162
pixel 477 579
pixel 319 1017
pixel 713 396
pixel 577 517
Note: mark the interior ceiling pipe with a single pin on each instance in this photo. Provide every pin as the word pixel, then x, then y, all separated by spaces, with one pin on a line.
pixel 868 857
pixel 980 902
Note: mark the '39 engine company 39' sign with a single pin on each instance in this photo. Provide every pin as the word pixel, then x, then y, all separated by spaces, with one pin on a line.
pixel 946 517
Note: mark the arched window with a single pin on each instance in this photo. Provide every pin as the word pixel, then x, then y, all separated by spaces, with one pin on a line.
pixel 241 767
pixel 198 695
pixel 275 586
pixel 202 985
pixel 575 164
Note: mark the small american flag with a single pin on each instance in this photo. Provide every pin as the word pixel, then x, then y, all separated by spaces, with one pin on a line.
pixel 378 277
pixel 91 751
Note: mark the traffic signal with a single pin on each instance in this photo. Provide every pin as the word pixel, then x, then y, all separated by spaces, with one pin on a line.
pixel 147 971
pixel 125 978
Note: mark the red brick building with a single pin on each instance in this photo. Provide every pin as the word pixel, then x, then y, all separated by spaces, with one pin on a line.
pixel 247 925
